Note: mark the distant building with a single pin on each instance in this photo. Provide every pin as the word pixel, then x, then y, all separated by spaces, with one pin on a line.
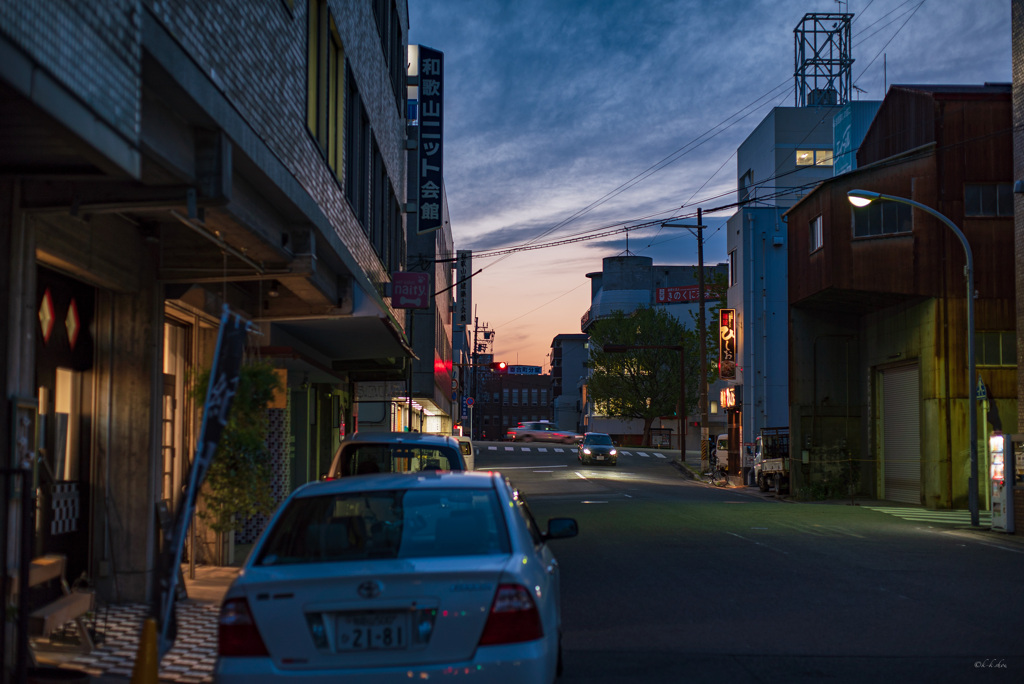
pixel 504 400
pixel 568 355
pixel 627 283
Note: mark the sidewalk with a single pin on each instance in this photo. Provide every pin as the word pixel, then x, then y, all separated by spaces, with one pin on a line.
pixel 190 660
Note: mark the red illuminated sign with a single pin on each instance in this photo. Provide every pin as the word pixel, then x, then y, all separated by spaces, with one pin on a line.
pixel 727 344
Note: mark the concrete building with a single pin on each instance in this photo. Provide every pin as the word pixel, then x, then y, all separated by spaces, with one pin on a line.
pixel 626 283
pixel 160 161
pixel 568 374
pixel 791 151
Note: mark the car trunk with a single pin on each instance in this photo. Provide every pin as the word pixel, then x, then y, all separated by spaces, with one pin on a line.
pixel 424 611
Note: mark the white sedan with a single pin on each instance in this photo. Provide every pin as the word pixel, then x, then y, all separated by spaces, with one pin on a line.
pixel 397 578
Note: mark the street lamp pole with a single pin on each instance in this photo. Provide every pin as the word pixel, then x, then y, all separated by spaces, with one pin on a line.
pixel 862 198
pixel 619 348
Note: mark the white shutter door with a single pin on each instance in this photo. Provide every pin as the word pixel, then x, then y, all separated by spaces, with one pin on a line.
pixel 901 402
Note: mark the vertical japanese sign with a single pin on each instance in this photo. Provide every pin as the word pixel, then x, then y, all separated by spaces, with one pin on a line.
pixel 220 393
pixel 727 344
pixel 429 200
pixel 464 288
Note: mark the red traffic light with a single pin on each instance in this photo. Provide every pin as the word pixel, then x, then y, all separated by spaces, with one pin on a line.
pixel 499 367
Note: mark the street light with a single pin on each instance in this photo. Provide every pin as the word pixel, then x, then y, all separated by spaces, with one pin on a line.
pixel 862 198
pixel 621 348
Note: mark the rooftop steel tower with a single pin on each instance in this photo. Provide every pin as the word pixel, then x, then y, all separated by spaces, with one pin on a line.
pixel 821 54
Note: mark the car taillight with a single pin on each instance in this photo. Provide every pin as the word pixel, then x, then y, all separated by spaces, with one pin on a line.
pixel 514 617
pixel 237 634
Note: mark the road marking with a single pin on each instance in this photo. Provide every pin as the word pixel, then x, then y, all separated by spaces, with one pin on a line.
pixel 559 451
pixel 593 502
pixel 642 454
pixel 580 475
pixel 492 448
pixel 504 468
pixel 542 450
pixel 659 455
pixel 772 548
pixel 510 449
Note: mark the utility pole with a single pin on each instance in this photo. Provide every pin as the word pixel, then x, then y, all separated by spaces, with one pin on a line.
pixel 705 457
pixel 474 381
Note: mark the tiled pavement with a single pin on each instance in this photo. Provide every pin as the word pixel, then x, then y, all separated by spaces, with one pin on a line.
pixel 118 629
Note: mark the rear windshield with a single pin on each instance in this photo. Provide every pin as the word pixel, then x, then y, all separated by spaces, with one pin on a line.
pixel 359 459
pixel 466 448
pixel 417 523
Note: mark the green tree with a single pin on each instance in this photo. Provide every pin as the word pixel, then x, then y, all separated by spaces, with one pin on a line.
pixel 639 383
pixel 238 483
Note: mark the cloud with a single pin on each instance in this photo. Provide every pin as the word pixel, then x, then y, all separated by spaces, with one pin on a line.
pixel 569 116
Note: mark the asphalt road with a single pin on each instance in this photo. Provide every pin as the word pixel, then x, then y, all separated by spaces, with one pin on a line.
pixel 674 580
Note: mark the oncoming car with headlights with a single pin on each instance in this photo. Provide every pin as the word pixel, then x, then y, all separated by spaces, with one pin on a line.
pixel 397 578
pixel 599 447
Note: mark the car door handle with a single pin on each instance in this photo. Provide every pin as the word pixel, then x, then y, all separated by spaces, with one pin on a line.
pixel 553 567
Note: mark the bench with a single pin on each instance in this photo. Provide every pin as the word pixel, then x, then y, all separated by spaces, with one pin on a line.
pixel 68 607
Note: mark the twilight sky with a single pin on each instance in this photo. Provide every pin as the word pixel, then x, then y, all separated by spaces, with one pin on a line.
pixel 569 117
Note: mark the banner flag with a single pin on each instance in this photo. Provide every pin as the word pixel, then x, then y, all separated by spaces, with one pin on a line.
pixel 220 392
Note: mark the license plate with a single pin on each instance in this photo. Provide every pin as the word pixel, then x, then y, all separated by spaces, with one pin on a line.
pixel 376 631
pixel 599 457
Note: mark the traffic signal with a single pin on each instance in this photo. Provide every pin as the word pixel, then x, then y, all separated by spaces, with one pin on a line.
pixel 499 367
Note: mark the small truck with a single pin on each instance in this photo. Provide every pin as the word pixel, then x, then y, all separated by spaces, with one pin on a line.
pixel 771 459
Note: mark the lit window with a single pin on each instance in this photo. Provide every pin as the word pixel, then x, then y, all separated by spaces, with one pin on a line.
pixel 814 157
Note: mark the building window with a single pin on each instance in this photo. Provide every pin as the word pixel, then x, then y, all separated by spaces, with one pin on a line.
pixel 393 45
pixel 815 232
pixel 882 218
pixel 544 397
pixel 358 140
pixel 732 268
pixel 504 398
pixel 814 157
pixel 997 348
pixel 487 420
pixel 515 397
pixel 325 84
pixel 988 199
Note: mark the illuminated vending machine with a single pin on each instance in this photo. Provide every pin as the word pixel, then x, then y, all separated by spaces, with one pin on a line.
pixel 1000 451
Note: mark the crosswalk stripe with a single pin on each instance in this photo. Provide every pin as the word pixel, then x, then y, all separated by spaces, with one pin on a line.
pixel 928 515
pixel 659 455
pixel 644 454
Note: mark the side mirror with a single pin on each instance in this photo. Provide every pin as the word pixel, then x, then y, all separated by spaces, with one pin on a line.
pixel 561 528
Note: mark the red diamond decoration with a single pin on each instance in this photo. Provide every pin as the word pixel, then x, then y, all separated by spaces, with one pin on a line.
pixel 72 323
pixel 46 317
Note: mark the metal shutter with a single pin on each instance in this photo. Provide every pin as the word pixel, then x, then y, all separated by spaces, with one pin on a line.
pixel 901 439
